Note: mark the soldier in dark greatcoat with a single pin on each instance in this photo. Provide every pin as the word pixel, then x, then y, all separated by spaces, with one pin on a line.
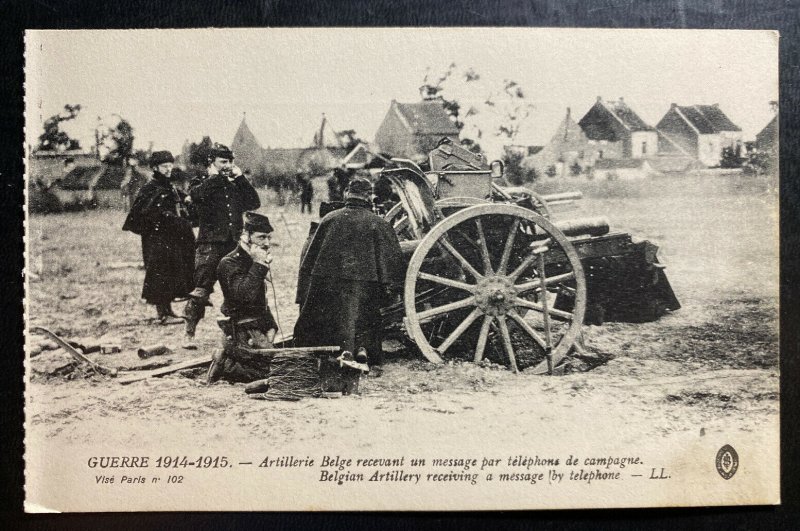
pixel 347 274
pixel 306 192
pixel 160 216
pixel 242 276
pixel 220 197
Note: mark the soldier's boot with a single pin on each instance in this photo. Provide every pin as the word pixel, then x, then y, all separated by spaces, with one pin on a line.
pixel 168 311
pixel 188 338
pixel 161 312
pixel 217 367
pixel 165 314
pixel 194 311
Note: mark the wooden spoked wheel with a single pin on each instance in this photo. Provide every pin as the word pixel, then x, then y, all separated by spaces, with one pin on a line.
pixel 539 204
pixel 460 201
pixel 495 271
pixel 398 219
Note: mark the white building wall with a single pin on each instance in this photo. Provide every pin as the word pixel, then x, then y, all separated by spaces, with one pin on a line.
pixel 709 149
pixel 730 138
pixel 644 144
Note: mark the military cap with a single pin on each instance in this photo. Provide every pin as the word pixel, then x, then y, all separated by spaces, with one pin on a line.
pixel 220 150
pixel 255 222
pixel 161 157
pixel 359 186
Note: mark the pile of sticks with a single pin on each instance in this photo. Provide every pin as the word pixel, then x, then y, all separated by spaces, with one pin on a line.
pixel 292 377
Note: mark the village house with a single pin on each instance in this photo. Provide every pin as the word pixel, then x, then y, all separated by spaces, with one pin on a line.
pixel 522 150
pixel 568 147
pixel 364 156
pixel 412 130
pixel 247 149
pixel 702 131
pixel 51 166
pixel 325 152
pixel 767 138
pixel 615 131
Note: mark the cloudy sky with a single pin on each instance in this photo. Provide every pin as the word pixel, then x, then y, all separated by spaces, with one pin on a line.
pixel 173 85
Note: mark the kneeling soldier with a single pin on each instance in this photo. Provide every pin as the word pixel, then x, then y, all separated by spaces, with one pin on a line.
pixel 250 325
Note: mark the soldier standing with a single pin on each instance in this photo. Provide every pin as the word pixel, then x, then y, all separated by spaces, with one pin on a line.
pixel 160 216
pixel 352 263
pixel 220 197
pixel 306 192
pixel 132 182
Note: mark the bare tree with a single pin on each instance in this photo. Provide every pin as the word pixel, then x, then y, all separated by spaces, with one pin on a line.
pixel 492 111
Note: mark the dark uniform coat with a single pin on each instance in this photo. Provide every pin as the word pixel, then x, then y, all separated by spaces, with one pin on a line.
pixel 243 284
pixel 345 276
pixel 159 216
pixel 219 205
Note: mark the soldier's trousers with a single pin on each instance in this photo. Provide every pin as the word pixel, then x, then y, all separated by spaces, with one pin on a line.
pixel 206 260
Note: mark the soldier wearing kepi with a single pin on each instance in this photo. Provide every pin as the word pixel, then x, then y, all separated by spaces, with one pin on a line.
pixel 242 276
pixel 346 276
pixel 220 198
pixel 160 216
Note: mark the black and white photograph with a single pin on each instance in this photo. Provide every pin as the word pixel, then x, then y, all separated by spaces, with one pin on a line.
pixel 376 269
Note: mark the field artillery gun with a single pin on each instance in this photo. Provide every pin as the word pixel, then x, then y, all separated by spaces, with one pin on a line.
pixel 490 275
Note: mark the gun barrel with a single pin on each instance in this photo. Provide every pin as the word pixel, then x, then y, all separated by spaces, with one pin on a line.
pixel 596 226
pixel 563 196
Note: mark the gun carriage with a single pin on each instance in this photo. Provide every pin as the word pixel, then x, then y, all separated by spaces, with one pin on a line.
pixel 489 274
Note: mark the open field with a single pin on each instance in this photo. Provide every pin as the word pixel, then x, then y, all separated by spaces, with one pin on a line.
pixel 709 368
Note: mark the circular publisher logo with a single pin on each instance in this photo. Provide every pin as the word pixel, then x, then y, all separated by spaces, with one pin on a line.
pixel 727 461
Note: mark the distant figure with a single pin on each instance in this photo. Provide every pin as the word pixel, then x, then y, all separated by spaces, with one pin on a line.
pixel 352 263
pixel 220 197
pixel 384 195
pixel 343 176
pixel 334 194
pixel 306 193
pixel 132 182
pixel 160 216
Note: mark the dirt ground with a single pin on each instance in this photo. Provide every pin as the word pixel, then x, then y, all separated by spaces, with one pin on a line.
pixel 709 366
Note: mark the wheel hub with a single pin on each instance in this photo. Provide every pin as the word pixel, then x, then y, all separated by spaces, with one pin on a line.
pixel 495 295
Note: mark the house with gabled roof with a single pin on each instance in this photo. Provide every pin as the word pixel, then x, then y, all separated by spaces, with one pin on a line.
pixel 567 147
pixel 702 131
pixel 247 149
pixel 412 130
pixel 325 152
pixel 617 131
pixel 767 138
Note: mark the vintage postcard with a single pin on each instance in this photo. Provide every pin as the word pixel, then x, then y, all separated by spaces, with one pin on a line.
pixel 401 269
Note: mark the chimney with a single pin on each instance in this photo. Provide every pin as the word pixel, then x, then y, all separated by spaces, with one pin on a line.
pixel 568 112
pixel 425 93
pixel 599 98
pixel 621 100
pixel 673 105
